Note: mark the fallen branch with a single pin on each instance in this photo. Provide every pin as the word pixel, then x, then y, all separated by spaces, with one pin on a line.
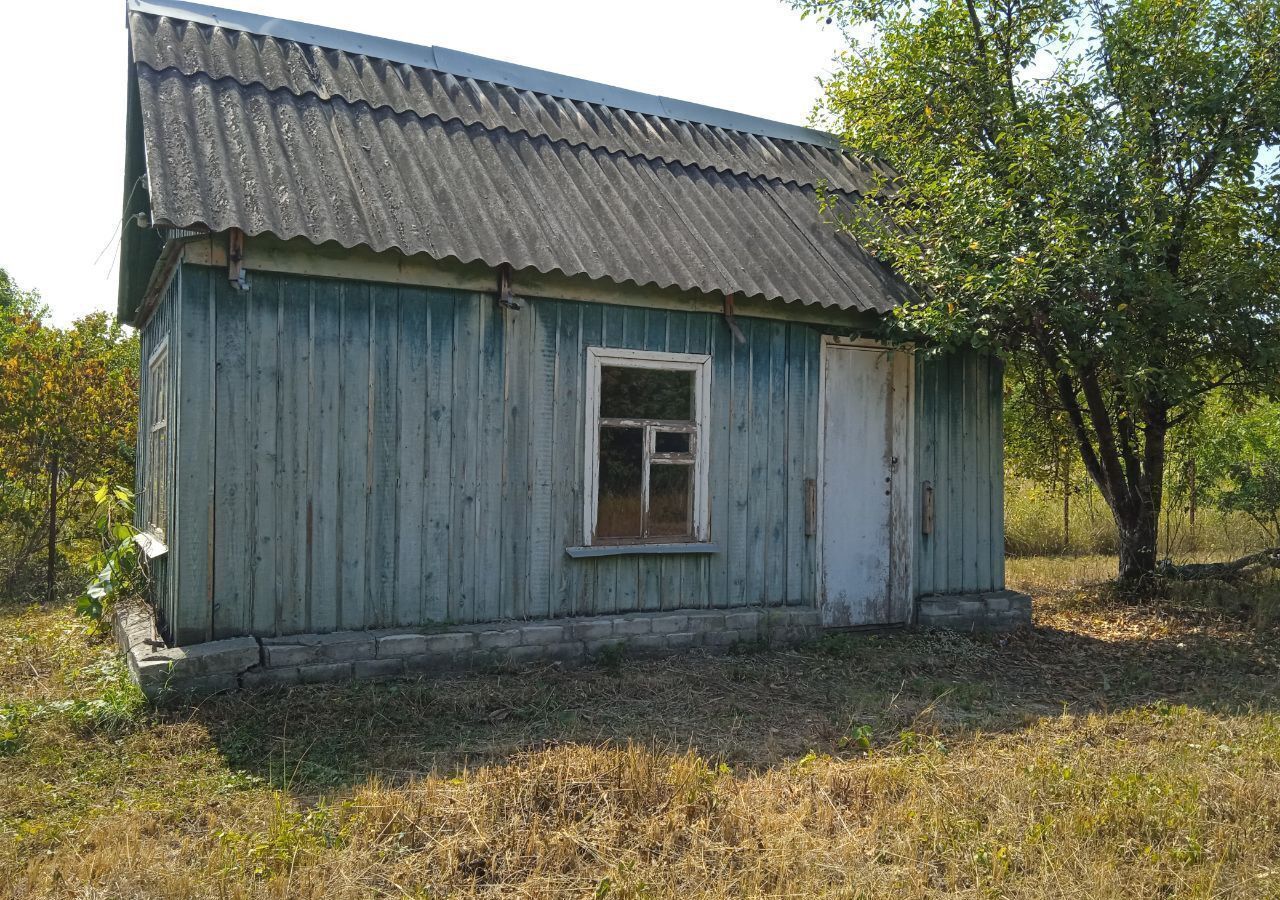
pixel 1244 567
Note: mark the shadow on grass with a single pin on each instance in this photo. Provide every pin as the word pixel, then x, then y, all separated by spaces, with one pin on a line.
pixel 756 709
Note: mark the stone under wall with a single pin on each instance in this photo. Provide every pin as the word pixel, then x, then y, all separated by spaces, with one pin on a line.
pixel 246 662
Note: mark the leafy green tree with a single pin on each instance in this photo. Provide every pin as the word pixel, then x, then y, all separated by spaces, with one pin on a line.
pixel 1085 187
pixel 68 419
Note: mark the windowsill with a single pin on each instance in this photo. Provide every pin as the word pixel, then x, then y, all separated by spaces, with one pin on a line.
pixel 699 547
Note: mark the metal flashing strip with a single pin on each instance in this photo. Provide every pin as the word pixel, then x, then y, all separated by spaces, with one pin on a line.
pixel 456 62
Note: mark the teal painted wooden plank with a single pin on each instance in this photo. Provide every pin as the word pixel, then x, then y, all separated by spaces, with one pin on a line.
pixel 439 456
pixel 795 421
pixel 811 372
pixel 467 359
pixel 544 321
pixel 946 528
pixel 756 507
pixel 384 440
pixel 324 453
pixel 517 364
pixel 739 486
pixel 970 459
pixel 490 602
pixel 983 506
pixel 412 354
pixel 572 581
pixel 292 546
pixel 354 469
pixel 232 544
pixel 721 483
pixel 781 482
pixel 263 328
pixel 997 473
pixel 191 547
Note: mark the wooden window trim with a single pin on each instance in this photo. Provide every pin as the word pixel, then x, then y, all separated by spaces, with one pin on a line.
pixel 697 457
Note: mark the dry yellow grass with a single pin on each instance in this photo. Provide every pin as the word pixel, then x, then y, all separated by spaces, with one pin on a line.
pixel 1120 750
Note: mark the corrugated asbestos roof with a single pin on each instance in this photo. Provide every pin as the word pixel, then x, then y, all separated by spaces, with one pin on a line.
pixel 275 135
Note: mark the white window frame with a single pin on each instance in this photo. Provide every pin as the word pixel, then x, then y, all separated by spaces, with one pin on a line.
pixel 158 475
pixel 697 363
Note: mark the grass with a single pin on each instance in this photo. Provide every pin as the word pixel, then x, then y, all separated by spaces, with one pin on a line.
pixel 1121 749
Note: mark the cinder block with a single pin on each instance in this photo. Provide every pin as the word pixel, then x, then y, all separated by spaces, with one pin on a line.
pixel 566 651
pixel 805 617
pixel 434 662
pixel 647 644
pixel 669 623
pixel 683 640
pixel 742 620
pixel 605 645
pixel 205 685
pixel 280 655
pixel 269 678
pixel 632 625
pixel 498 638
pixel 526 653
pixel 378 668
pixel 391 645
pixel 725 638
pixel 324 672
pixel 706 620
pixel 450 642
pixel 542 634
pixel 591 630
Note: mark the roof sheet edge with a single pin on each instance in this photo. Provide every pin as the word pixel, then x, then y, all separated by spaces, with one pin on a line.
pixel 455 62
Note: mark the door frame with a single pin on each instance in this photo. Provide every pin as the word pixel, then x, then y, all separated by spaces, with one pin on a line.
pixel 902 536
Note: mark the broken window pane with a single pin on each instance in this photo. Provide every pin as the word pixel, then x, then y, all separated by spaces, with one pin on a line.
pixel 621 467
pixel 627 393
pixel 669 501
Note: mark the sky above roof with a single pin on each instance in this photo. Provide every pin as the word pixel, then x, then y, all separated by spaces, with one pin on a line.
pixel 64 166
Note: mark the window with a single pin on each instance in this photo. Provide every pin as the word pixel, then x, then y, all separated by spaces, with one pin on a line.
pixel 646 479
pixel 155 499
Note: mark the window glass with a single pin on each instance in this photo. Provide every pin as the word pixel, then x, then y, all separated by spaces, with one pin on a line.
pixel 628 393
pixel 671 442
pixel 670 500
pixel 621 470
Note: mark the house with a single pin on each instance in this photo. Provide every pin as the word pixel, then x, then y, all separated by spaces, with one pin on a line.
pixel 448 360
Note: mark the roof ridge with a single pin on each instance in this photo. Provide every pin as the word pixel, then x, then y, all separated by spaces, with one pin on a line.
pixel 414 115
pixel 458 63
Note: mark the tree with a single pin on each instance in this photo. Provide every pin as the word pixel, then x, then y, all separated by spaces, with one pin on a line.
pixel 68 420
pixel 1085 187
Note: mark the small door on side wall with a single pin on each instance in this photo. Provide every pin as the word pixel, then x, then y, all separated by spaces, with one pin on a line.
pixel 865 535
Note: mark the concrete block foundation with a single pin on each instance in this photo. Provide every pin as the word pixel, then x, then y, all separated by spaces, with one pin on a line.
pixel 247 662
pixel 989 611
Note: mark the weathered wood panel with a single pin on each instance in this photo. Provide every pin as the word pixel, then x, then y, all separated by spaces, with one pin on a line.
pixel 360 455
pixel 959 451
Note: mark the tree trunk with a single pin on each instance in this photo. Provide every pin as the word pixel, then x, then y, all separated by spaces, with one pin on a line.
pixel 1137 530
pixel 53 528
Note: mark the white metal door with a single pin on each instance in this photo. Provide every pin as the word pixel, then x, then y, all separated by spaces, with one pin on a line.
pixel 865 546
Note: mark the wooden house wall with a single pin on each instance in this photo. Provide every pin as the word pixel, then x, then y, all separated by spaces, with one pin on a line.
pixel 154 331
pixel 358 455
pixel 960 452
pixel 361 455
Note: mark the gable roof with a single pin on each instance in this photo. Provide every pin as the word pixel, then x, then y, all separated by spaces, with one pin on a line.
pixel 284 128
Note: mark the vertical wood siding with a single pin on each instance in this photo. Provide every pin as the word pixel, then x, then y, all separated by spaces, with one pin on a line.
pixel 959 450
pixel 154 331
pixel 358 455
pixel 361 455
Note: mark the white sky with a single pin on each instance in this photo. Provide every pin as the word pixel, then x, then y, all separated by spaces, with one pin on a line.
pixel 63 68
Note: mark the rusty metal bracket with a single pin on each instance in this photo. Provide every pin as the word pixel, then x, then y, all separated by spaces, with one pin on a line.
pixel 738 336
pixel 235 260
pixel 506 299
